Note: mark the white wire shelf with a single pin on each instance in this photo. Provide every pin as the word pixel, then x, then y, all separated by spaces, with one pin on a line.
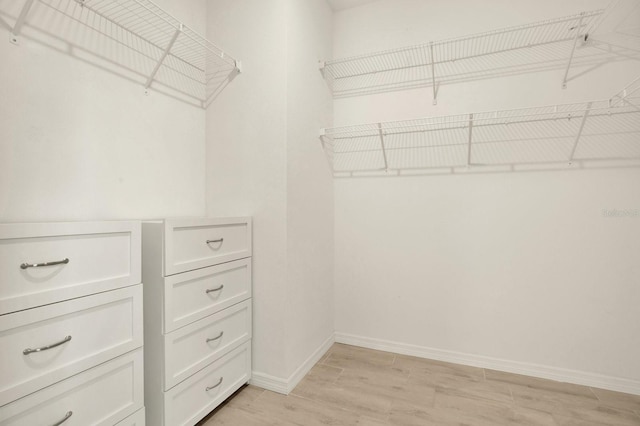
pixel 550 44
pixel 570 133
pixel 625 95
pixel 168 52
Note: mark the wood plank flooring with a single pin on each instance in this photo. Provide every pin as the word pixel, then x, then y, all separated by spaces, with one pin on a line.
pixel 363 387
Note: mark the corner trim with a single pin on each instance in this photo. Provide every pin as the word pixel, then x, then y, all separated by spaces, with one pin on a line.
pixel 285 386
pixel 535 370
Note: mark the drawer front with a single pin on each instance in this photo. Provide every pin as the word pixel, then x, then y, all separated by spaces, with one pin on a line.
pixel 198 243
pixel 80 334
pixel 197 294
pixel 136 419
pixel 103 395
pixel 194 398
pixel 191 348
pixel 96 257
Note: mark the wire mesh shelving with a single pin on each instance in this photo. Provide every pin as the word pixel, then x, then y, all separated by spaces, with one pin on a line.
pixel 587 131
pixel 542 45
pixel 168 52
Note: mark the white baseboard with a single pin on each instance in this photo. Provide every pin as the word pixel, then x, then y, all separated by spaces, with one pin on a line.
pixel 285 386
pixel 272 383
pixel 535 370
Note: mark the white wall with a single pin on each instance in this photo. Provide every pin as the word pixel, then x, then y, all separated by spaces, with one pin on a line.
pixel 246 157
pixel 78 142
pixel 263 160
pixel 519 268
pixel 310 242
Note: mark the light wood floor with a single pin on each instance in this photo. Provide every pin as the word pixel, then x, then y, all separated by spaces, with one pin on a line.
pixel 355 386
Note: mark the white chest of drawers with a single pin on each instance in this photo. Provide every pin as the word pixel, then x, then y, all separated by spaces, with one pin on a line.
pixel 197 275
pixel 71 324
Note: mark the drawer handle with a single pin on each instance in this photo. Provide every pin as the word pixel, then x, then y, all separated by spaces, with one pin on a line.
pixel 219 240
pixel 214 386
pixel 211 290
pixel 45 348
pixel 213 339
pixel 66 417
pixel 38 265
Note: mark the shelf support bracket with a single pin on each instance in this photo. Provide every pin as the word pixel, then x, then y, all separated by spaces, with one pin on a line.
pixel 384 150
pixel 584 120
pixel 433 74
pixel 573 50
pixel 470 139
pixel 15 31
pixel 163 57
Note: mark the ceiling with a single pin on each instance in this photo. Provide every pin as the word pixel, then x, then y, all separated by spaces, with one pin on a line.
pixel 346 4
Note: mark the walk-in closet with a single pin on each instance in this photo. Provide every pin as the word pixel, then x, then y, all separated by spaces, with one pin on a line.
pixel 311 212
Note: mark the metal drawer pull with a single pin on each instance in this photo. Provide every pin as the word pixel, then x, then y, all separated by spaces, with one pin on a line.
pixel 211 290
pixel 214 386
pixel 66 417
pixel 219 240
pixel 213 339
pixel 46 348
pixel 38 265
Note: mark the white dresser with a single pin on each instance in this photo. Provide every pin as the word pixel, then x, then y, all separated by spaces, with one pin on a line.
pixel 71 324
pixel 197 275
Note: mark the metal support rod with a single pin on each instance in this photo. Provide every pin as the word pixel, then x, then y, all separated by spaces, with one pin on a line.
pixel 584 120
pixel 433 74
pixel 573 50
pixel 15 31
pixel 384 151
pixel 163 57
pixel 470 138
pixel 625 93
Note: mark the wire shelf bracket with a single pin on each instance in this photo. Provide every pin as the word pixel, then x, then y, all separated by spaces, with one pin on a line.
pixel 178 57
pixel 384 151
pixel 162 58
pixel 582 123
pixel 573 50
pixel 15 31
pixel 433 74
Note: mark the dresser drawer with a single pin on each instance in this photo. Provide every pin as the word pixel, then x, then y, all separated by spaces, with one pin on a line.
pixel 80 333
pixel 197 345
pixel 197 294
pixel 103 395
pixel 136 419
pixel 87 258
pixel 198 243
pixel 194 398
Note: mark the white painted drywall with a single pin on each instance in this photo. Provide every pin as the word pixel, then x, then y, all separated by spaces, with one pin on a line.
pixel 346 4
pixel 262 160
pixel 78 142
pixel 516 266
pixel 310 243
pixel 246 158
